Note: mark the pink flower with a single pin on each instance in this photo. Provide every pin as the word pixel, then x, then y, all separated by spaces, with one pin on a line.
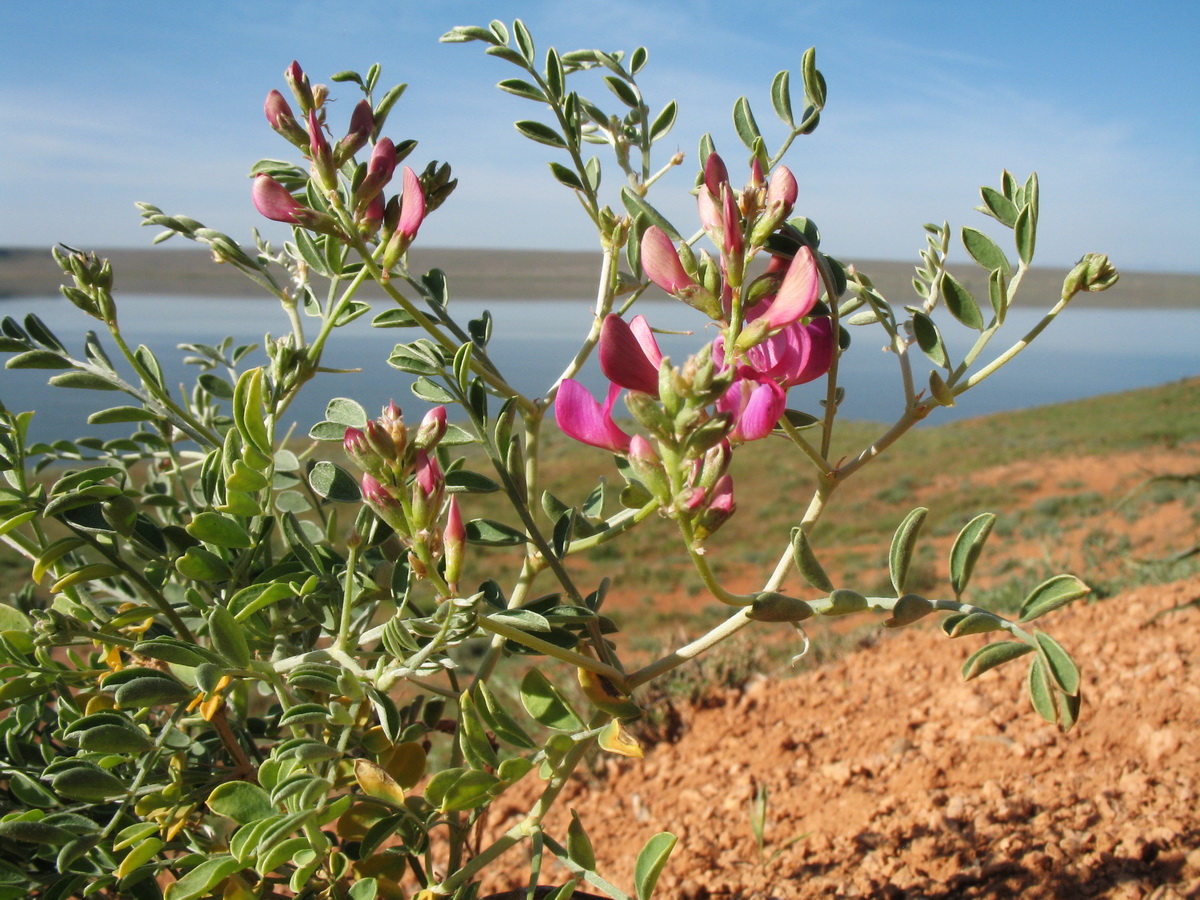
pixel 629 355
pixel 412 209
pixel 797 354
pixel 431 429
pixel 276 108
pixel 275 202
pixel 579 416
pixel 660 259
pixel 755 403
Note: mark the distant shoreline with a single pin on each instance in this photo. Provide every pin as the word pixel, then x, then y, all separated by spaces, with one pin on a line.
pixel 538 275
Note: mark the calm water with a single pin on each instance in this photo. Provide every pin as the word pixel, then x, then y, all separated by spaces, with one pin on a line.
pixel 1084 353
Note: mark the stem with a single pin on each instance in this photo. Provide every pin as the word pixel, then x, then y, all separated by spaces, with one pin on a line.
pixel 535 643
pixel 726 629
pixel 1009 354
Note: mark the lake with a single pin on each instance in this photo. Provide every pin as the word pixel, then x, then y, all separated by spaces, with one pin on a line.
pixel 1083 353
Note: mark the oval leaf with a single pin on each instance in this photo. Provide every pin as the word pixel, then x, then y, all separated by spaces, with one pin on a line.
pixel 1052 594
pixel 967 547
pixel 650 863
pixel 904 541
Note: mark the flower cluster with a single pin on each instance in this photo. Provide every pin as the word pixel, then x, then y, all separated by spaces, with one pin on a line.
pixel 735 389
pixel 404 484
pixel 394 221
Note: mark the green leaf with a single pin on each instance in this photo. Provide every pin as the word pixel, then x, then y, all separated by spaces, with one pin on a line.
pixel 908 609
pixel 1025 232
pixel 904 542
pixel 470 790
pixel 346 412
pixel 241 801
pixel 476 748
pixel 650 862
pixel 998 294
pixel 565 176
pixel 1041 692
pixel 636 206
pixel 466 481
pixel 664 121
pixel 152 690
pixel 781 98
pixel 112 738
pixel 202 879
pixel 843 602
pixel 998 206
pixel 522 88
pixel 248 412
pixel 814 82
pixel 971 623
pixel 498 719
pixel 543 701
pixel 985 251
pixel 991 655
pixel 807 563
pixel 214 528
pixel 199 564
pixel 960 302
pixel 87 381
pixel 929 339
pixel 579 846
pixel 38 359
pixel 1052 594
pixel 1062 668
pixel 967 547
pixel 331 482
pixel 87 783
pixel 524 40
pixel 493 534
pixel 34 832
pixel 121 414
pixel 394 318
pixel 228 637
pixel 744 124
pixel 542 134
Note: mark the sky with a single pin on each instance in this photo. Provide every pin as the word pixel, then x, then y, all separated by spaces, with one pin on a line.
pixel 106 103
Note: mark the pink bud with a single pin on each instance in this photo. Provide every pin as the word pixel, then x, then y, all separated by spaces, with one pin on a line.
pixel 274 201
pixel 362 122
pixel 756 173
pixel 629 355
pixel 379 170
pixel 301 89
pixel 376 494
pixel 431 429
pixel 715 174
pixel 731 226
pixel 275 108
pixel 782 189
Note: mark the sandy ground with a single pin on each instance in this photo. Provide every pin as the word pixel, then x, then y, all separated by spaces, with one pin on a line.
pixel 889 777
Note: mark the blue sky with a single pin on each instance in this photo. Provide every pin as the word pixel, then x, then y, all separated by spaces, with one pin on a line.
pixel 105 103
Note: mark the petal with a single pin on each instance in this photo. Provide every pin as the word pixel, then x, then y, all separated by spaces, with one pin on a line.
pixel 629 355
pixel 798 292
pixel 579 416
pixel 818 335
pixel 661 262
pixel 412 208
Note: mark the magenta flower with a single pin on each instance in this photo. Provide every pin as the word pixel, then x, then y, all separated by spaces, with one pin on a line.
pixel 796 355
pixel 579 416
pixel 629 355
pixel 661 262
pixel 275 202
pixel 755 405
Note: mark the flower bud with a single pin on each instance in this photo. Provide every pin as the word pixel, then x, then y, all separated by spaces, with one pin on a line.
pixel 280 117
pixel 379 172
pixel 387 507
pixel 431 429
pixel 412 214
pixel 721 507
pixel 364 452
pixel 649 468
pixel 428 489
pixel 275 202
pixel 392 418
pixel 454 540
pixel 319 151
pixel 301 89
pixel 1092 273
pixel 362 122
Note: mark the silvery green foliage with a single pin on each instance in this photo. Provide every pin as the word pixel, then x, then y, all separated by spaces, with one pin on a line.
pixel 240 668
